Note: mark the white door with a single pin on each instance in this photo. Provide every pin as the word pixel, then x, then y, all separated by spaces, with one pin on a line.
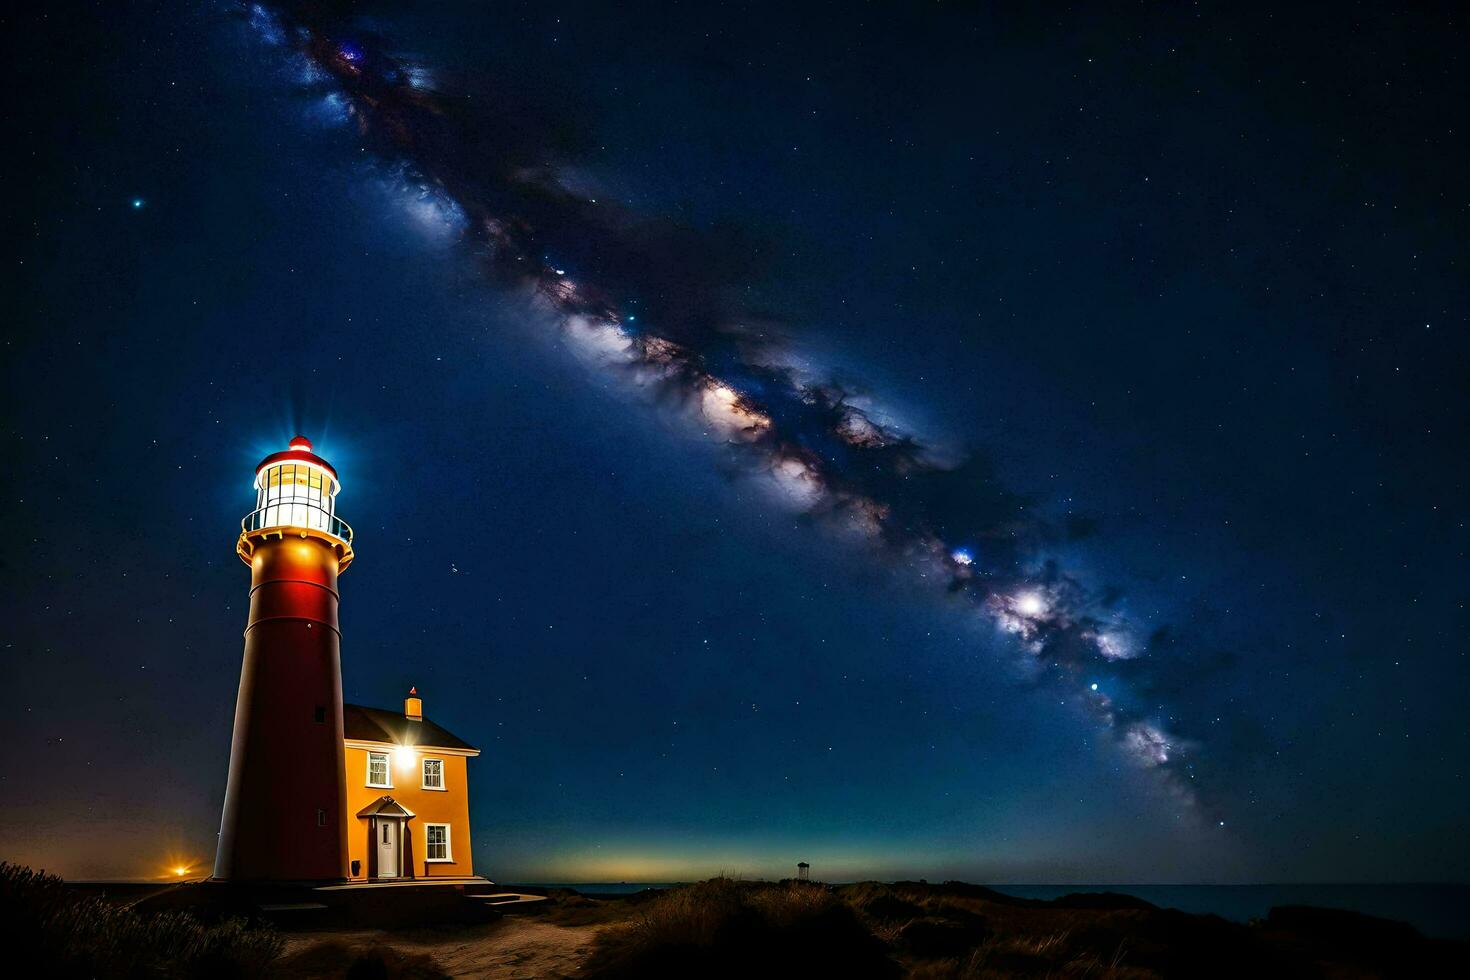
pixel 387 848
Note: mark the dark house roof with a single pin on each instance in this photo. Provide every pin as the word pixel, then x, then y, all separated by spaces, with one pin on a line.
pixel 379 725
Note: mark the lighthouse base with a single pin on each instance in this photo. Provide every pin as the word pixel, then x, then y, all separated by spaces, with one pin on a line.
pixel 395 905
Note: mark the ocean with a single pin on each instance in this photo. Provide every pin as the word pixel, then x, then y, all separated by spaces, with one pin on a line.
pixel 1435 910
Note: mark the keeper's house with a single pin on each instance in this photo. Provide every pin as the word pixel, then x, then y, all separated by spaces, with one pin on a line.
pixel 408 800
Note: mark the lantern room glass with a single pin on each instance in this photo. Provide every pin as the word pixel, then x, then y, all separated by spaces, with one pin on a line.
pixel 296 494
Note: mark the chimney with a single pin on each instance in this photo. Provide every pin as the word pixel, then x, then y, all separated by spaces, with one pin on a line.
pixel 413 705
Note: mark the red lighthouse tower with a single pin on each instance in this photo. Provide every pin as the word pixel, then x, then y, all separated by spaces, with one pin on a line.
pixel 285 803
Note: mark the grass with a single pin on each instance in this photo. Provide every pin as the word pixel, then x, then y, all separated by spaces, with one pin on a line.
pixel 57 933
pixel 724 928
pixel 955 931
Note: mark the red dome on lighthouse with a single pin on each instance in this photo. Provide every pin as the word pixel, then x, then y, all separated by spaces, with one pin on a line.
pixel 300 452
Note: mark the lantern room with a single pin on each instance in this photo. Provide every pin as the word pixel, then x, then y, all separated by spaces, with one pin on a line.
pixel 296 495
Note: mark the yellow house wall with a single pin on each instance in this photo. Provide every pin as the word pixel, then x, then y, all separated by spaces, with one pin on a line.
pixel 451 806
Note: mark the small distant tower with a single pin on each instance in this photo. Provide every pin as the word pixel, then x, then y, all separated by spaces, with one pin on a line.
pixel 285 803
pixel 803 871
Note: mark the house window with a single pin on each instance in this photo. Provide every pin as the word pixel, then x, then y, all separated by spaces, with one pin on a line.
pixel 321 818
pixel 436 841
pixel 378 773
pixel 433 774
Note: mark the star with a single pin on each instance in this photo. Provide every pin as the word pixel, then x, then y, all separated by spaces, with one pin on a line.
pixel 1030 604
pixel 137 203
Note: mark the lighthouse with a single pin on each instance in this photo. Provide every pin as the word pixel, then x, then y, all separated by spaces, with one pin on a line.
pixel 285 802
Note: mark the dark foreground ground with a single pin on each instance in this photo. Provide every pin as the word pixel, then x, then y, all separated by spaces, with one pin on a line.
pixel 724 928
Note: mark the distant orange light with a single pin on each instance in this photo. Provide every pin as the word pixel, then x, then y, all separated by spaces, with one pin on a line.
pixel 181 871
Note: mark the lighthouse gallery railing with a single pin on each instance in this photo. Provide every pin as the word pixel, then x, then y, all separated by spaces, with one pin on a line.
pixel 297 513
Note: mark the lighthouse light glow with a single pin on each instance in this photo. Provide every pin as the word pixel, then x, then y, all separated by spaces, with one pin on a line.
pixel 295 494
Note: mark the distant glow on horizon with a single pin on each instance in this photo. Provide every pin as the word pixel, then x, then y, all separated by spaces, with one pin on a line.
pixel 642 864
pixel 177 865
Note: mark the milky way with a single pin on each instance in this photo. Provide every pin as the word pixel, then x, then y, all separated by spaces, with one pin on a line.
pixel 650 299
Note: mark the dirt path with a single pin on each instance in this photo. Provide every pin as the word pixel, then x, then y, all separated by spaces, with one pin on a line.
pixel 511 948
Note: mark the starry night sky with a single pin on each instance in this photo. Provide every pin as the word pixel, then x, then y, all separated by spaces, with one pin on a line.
pixel 1188 282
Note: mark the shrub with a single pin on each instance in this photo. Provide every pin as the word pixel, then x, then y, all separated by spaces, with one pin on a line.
pixel 724 929
pixel 57 933
pixel 880 903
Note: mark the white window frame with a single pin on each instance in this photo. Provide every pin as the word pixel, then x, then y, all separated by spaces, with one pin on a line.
pixel 424 775
pixel 387 767
pixel 448 857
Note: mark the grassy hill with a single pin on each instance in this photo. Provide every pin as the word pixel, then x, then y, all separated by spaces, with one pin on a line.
pixel 723 928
